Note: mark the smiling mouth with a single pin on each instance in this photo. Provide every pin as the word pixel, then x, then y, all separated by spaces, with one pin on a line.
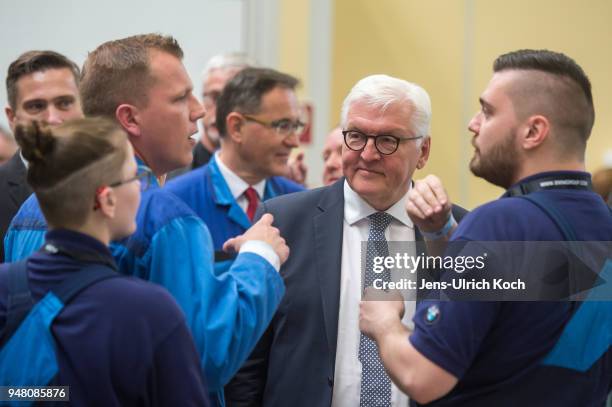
pixel 370 171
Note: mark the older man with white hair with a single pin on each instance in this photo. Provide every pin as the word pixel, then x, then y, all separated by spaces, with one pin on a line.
pixel 313 353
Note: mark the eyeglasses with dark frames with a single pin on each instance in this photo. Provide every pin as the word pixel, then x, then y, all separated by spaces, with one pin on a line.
pixel 385 144
pixel 283 127
pixel 144 175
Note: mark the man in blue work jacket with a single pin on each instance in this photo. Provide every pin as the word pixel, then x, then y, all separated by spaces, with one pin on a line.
pixel 258 122
pixel 141 83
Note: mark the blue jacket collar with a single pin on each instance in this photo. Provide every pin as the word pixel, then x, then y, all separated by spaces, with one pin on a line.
pixel 222 195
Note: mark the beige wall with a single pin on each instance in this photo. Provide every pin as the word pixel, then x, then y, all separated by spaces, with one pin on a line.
pixel 294 39
pixel 448 48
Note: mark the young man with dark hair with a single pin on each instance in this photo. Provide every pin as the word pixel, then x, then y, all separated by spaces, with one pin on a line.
pixel 40 85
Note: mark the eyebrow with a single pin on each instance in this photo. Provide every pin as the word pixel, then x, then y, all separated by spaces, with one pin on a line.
pixel 25 102
pixel 285 119
pixel 30 102
pixel 44 100
pixel 393 133
pixel 64 97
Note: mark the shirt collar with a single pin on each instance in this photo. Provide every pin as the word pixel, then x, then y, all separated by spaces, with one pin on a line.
pixel 23 160
pixel 356 208
pixel 236 184
pixel 156 181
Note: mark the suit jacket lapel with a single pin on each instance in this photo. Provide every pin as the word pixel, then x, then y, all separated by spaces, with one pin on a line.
pixel 328 227
pixel 18 188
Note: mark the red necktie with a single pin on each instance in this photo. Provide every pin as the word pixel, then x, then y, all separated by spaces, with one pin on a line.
pixel 251 196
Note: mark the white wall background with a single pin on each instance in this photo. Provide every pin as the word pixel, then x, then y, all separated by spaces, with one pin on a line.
pixel 75 27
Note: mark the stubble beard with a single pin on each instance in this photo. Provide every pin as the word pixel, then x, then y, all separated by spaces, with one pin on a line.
pixel 499 165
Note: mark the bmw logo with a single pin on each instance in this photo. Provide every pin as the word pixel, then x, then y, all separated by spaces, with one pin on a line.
pixel 433 314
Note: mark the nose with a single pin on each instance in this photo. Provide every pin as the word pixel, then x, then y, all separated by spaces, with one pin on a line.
pixel 369 152
pixel 474 124
pixel 53 116
pixel 197 110
pixel 292 140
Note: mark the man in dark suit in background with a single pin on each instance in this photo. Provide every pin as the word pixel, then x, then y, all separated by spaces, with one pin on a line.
pixel 313 353
pixel 8 146
pixel 40 85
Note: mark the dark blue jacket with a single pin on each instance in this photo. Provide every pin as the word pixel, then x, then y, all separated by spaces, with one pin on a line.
pixel 121 341
pixel 172 247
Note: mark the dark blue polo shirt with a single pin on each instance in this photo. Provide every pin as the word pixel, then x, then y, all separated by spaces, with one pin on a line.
pixel 121 341
pixel 495 349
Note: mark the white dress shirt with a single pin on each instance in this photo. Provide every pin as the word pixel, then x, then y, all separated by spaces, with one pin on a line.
pixel 237 187
pixel 347 382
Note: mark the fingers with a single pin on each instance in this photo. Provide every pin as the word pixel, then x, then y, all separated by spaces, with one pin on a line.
pixel 264 231
pixel 430 195
pixel 231 245
pixel 265 220
pixel 437 189
pixel 380 311
pixel 373 294
pixel 428 204
pixel 279 245
pixel 421 206
pixel 283 252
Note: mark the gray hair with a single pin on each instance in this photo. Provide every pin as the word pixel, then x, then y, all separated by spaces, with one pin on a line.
pixel 382 91
pixel 232 60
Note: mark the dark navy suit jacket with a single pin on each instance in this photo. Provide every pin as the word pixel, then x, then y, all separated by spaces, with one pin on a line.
pixel 15 190
pixel 294 362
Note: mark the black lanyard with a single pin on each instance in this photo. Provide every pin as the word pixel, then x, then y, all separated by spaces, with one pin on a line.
pixel 568 181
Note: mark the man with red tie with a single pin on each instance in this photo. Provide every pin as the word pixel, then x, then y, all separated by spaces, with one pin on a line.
pixel 258 122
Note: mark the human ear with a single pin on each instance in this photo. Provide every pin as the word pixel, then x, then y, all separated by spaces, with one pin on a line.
pixel 234 124
pixel 536 131
pixel 10 115
pixel 106 201
pixel 128 117
pixel 424 150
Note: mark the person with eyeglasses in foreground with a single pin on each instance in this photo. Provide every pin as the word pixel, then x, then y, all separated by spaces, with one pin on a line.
pixel 118 340
pixel 141 83
pixel 312 354
pixel 258 120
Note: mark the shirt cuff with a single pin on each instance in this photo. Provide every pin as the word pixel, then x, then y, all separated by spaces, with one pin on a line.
pixel 264 250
